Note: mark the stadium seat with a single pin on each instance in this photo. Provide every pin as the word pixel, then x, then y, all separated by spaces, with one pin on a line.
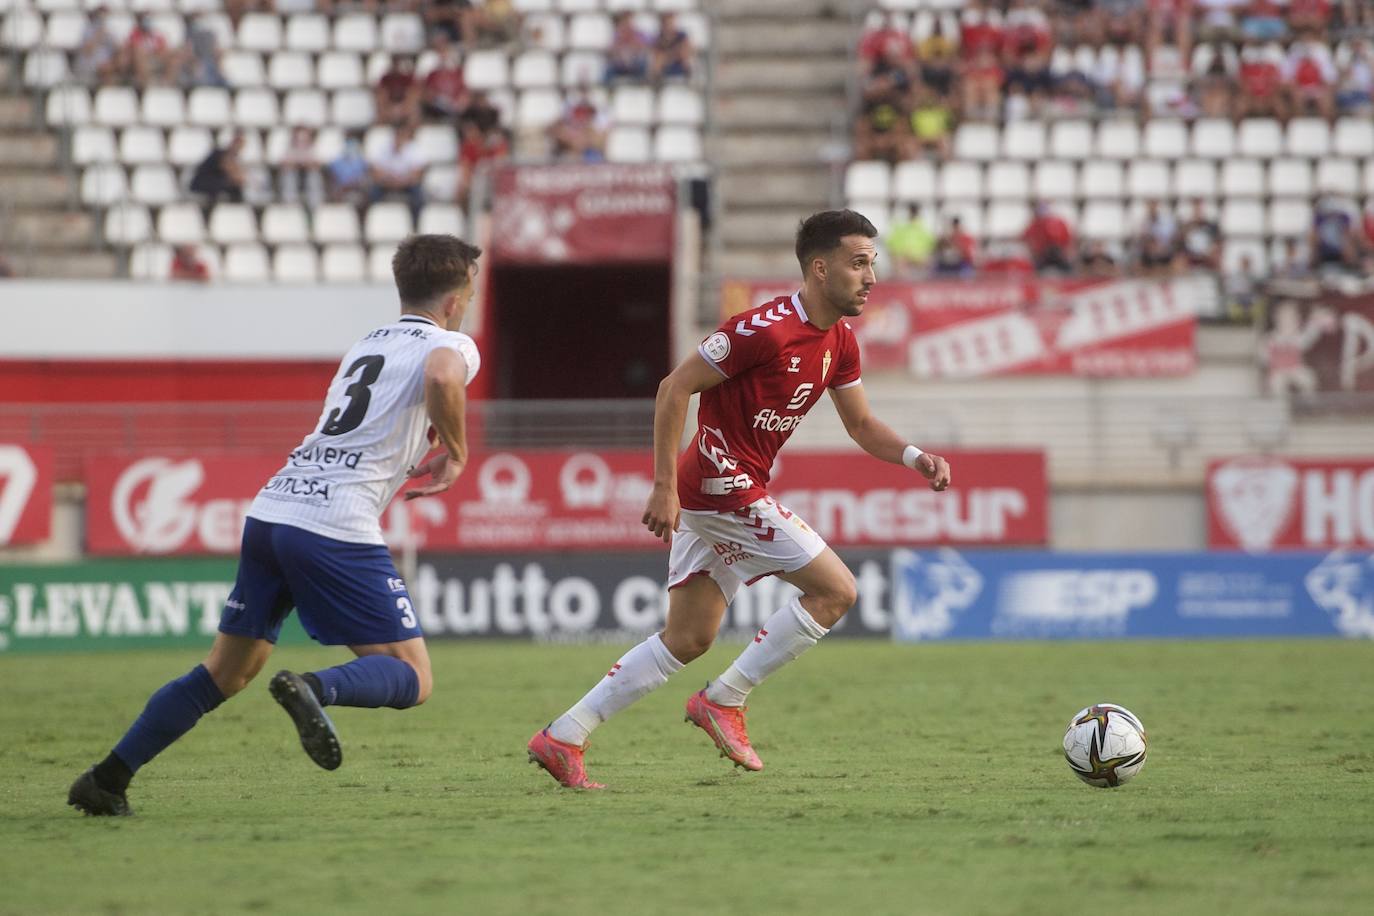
pixel 284 224
pixel 1290 178
pixel 255 108
pixel 154 185
pixel 1118 140
pixel 64 30
pixel 1242 217
pixel 1104 220
pixel 356 32
pixel 438 143
pixel 1166 139
pixel 67 106
pixel 45 68
pixel 589 32
pixel 181 224
pixel 1148 179
pixel 868 179
pixel 1007 219
pixel 1024 140
pixel 340 70
pixel 307 33
pixel 1307 137
pixel 1071 140
pixel 335 223
pixel 960 181
pixel 379 263
pixel 1242 178
pixel 538 108
pixel 485 70
pixel 976 141
pixel 1213 138
pixel 546 32
pixel 171 26
pixel 378 141
pixel 218 24
pixel 1101 179
pixel 1289 218
pixel 1009 180
pixel 441 182
pixel 208 106
pixel 1369 177
pixel 568 7
pixel 188 146
pixel 21 29
pixel 914 181
pixel 628 144
pixel 1353 137
pixel 970 217
pixel 246 262
pixel 343 264
pixel 387 222
pixel 260 32
pixel 877 212
pixel 103 184
pixel 305 107
pixel 163 106
pixel 1195 178
pixel 403 33
pixel 675 143
pixel 441 219
pixel 632 105
pixel 290 70
pixel 581 68
pixel 1055 180
pixel 127 224
pixel 535 70
pixel 243 69
pixel 116 106
pixel 149 261
pixel 1234 251
pixel 93 144
pixel 230 223
pixel 1338 176
pixel 352 108
pixel 295 264
pixel 1259 138
pixel 680 105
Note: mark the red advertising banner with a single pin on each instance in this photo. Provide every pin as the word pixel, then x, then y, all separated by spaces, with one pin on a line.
pixel 576 500
pixel 26 478
pixel 1020 325
pixel 1260 503
pixel 1319 342
pixel 581 214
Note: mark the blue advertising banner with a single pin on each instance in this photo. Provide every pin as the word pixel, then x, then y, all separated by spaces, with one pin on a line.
pixel 947 594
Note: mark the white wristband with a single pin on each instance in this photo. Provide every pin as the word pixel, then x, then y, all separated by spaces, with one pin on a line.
pixel 909 456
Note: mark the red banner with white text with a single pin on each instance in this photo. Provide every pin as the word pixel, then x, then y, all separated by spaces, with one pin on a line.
pixel 1261 503
pixel 575 500
pixel 26 478
pixel 1019 325
pixel 582 214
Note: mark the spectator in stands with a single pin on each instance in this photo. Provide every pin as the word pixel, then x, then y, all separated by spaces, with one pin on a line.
pixel 187 265
pixel 348 173
pixel 1027 44
pixel 1201 240
pixel 299 169
pixel 221 174
pixel 236 9
pixel 444 92
pixel 978 31
pixel 937 57
pixel 1355 88
pixel 397 94
pixel 1049 240
pixel 910 243
pixel 1172 20
pixel 882 130
pixel 1309 15
pixel 1332 239
pixel 97 57
pixel 887 45
pixel 580 134
pixel 1294 263
pixel 477 148
pixel 1122 21
pixel 1310 74
pixel 628 56
pixel 955 252
pixel 1213 88
pixel 498 22
pixel 1261 84
pixel 481 111
pixel 453 19
pixel 1217 20
pixel 201 62
pixel 982 87
pixel 1119 79
pixel 400 170
pixel 1241 289
pixel 932 123
pixel 146 57
pixel 672 50
pixel 1158 241
pixel 1098 261
pixel 1262 20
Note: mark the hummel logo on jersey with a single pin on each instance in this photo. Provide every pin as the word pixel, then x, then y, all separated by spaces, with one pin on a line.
pixel 776 313
pixel 794 364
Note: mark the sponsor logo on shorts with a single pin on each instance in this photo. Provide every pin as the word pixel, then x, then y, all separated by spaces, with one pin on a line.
pixel 731 552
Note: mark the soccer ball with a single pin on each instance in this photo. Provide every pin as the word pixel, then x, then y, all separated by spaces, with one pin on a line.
pixel 1105 745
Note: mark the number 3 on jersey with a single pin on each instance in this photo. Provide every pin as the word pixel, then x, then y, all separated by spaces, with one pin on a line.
pixel 346 419
pixel 407 613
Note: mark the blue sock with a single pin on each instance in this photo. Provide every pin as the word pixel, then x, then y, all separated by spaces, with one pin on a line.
pixel 170 713
pixel 371 681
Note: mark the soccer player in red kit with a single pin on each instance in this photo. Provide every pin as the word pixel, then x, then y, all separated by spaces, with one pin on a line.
pixel 758 375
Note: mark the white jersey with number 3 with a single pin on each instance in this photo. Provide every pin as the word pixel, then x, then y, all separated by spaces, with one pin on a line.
pixel 373 428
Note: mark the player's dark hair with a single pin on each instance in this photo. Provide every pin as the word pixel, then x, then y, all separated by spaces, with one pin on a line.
pixel 820 233
pixel 429 266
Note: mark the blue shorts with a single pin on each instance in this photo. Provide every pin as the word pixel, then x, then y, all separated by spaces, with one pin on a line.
pixel 346 594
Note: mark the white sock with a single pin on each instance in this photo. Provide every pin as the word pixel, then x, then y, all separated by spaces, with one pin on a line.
pixel 787 634
pixel 640 671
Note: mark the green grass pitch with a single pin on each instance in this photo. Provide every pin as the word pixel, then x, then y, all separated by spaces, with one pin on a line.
pixel 900 779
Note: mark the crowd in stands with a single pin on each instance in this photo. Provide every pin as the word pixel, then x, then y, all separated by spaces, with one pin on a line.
pixel 921 80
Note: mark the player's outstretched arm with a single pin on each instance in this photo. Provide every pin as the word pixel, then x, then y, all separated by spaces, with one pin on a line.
pixel 692 375
pixel 446 376
pixel 881 441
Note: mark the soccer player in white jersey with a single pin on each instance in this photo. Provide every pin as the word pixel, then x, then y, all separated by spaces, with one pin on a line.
pixel 758 375
pixel 313 541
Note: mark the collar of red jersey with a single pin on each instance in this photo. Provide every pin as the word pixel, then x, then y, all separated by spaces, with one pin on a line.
pixel 796 304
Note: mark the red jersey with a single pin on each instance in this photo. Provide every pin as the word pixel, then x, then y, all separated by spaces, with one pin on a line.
pixel 776 364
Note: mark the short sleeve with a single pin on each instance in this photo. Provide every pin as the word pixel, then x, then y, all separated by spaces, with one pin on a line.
pixel 847 372
pixel 465 347
pixel 734 349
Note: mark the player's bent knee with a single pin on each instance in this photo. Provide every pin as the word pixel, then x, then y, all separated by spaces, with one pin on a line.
pixel 686 647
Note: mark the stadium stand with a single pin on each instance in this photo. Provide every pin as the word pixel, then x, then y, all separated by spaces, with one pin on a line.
pixel 134 95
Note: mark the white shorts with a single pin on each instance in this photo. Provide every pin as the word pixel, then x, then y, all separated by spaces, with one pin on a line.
pixel 741 547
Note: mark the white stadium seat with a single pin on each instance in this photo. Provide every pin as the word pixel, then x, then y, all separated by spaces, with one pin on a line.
pixel 335 223
pixel 485 70
pixel 403 33
pixel 1213 138
pixel 441 219
pixel 290 70
pixel 1071 140
pixel 675 143
pixel 1307 137
pixel 976 141
pixel 127 224
pixel 340 70
pixel 1338 176
pixel 45 68
pixel 284 224
pixel 441 182
pixel 295 264
pixel 255 108
pixel 535 70
pixel 356 32
pixel 1166 139
pixel 914 181
pixel 154 185
pixel 1148 179
pixel 64 30
pixel 352 108
pixel 1289 218
pixel 67 105
pixel 21 29
pixel 1104 220
pixel 377 141
pixel 1101 179
pixel 581 68
pixel 868 179
pixel 307 33
pixel 1234 251
pixel 208 106
pixel 344 264
pixel 1118 140
pixel 1369 177
pixel 163 106
pixel 538 108
pixel 1242 178
pixel 103 184
pixel 181 224
pixel 546 32
pixel 243 69
pixel 1195 178
pixel 1290 178
pixel 590 32
pixel 1007 219
pixel 1242 217
pixel 387 222
pixel 1008 180
pixel 632 105
pixel 1024 140
pixel 1354 137
pixel 116 106
pixel 1259 138
pixel 305 107
pixel 1055 180
pixel 246 262
pixel 149 261
pixel 231 223
pixel 189 145
pixel 93 144
pixel 680 105
pixel 961 181
pixel 628 144
pixel 260 32
pixel 438 143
